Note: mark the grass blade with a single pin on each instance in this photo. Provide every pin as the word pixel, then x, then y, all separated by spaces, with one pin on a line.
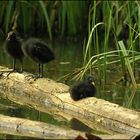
pixel 125 54
pixel 8 14
pixel 42 5
pixel 89 40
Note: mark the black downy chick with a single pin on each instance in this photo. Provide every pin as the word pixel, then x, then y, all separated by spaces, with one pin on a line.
pixel 39 52
pixel 83 89
pixel 13 49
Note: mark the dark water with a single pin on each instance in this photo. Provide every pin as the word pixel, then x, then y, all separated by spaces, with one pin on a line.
pixel 68 57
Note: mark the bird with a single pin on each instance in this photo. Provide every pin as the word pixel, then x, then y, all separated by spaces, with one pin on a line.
pixel 38 51
pixel 13 49
pixel 83 89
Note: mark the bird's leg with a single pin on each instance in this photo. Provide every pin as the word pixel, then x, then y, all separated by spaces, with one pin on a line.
pixel 21 61
pixel 36 76
pixel 14 67
pixel 14 64
pixel 41 71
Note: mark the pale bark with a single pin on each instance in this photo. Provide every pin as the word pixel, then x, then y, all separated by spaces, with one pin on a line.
pixel 24 127
pixel 27 128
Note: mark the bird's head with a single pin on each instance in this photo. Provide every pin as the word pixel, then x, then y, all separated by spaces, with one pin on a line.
pixel 90 79
pixel 11 36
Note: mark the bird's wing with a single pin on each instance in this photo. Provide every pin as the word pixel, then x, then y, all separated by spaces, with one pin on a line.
pixel 43 50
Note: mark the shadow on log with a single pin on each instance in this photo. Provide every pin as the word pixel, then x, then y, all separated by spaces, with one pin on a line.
pixel 49 96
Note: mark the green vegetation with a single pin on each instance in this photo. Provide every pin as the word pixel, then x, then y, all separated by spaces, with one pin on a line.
pixel 29 17
pixel 101 24
pixel 70 17
pixel 110 35
pixel 103 46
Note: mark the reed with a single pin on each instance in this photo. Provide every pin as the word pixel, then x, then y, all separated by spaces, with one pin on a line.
pixel 115 18
pixel 24 15
pixel 127 62
pixel 65 16
pixel 70 18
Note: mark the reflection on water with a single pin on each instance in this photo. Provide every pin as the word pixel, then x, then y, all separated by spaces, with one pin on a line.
pixel 68 57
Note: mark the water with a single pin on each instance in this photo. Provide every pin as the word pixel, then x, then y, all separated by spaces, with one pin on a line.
pixel 63 63
pixel 68 57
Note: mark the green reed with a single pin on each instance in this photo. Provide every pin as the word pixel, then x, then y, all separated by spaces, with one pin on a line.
pixel 65 17
pixel 24 15
pixel 127 62
pixel 116 16
pixel 70 18
pixel 9 9
pixel 89 46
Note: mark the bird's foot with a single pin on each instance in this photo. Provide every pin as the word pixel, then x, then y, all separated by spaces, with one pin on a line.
pixel 29 77
pixel 6 72
pixel 32 77
pixel 37 76
pixel 11 71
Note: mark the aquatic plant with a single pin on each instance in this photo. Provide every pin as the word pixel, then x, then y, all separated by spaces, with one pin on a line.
pixel 104 39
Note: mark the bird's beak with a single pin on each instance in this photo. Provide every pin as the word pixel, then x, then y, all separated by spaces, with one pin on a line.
pixel 7 37
pixel 93 83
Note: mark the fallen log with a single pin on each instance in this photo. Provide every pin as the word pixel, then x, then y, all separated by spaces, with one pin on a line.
pixel 49 96
pixel 23 127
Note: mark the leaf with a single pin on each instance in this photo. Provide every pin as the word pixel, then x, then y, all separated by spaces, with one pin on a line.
pixel 8 14
pixel 43 8
pixel 125 54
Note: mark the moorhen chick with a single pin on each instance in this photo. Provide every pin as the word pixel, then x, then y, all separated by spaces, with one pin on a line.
pixel 13 49
pixel 83 89
pixel 38 51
